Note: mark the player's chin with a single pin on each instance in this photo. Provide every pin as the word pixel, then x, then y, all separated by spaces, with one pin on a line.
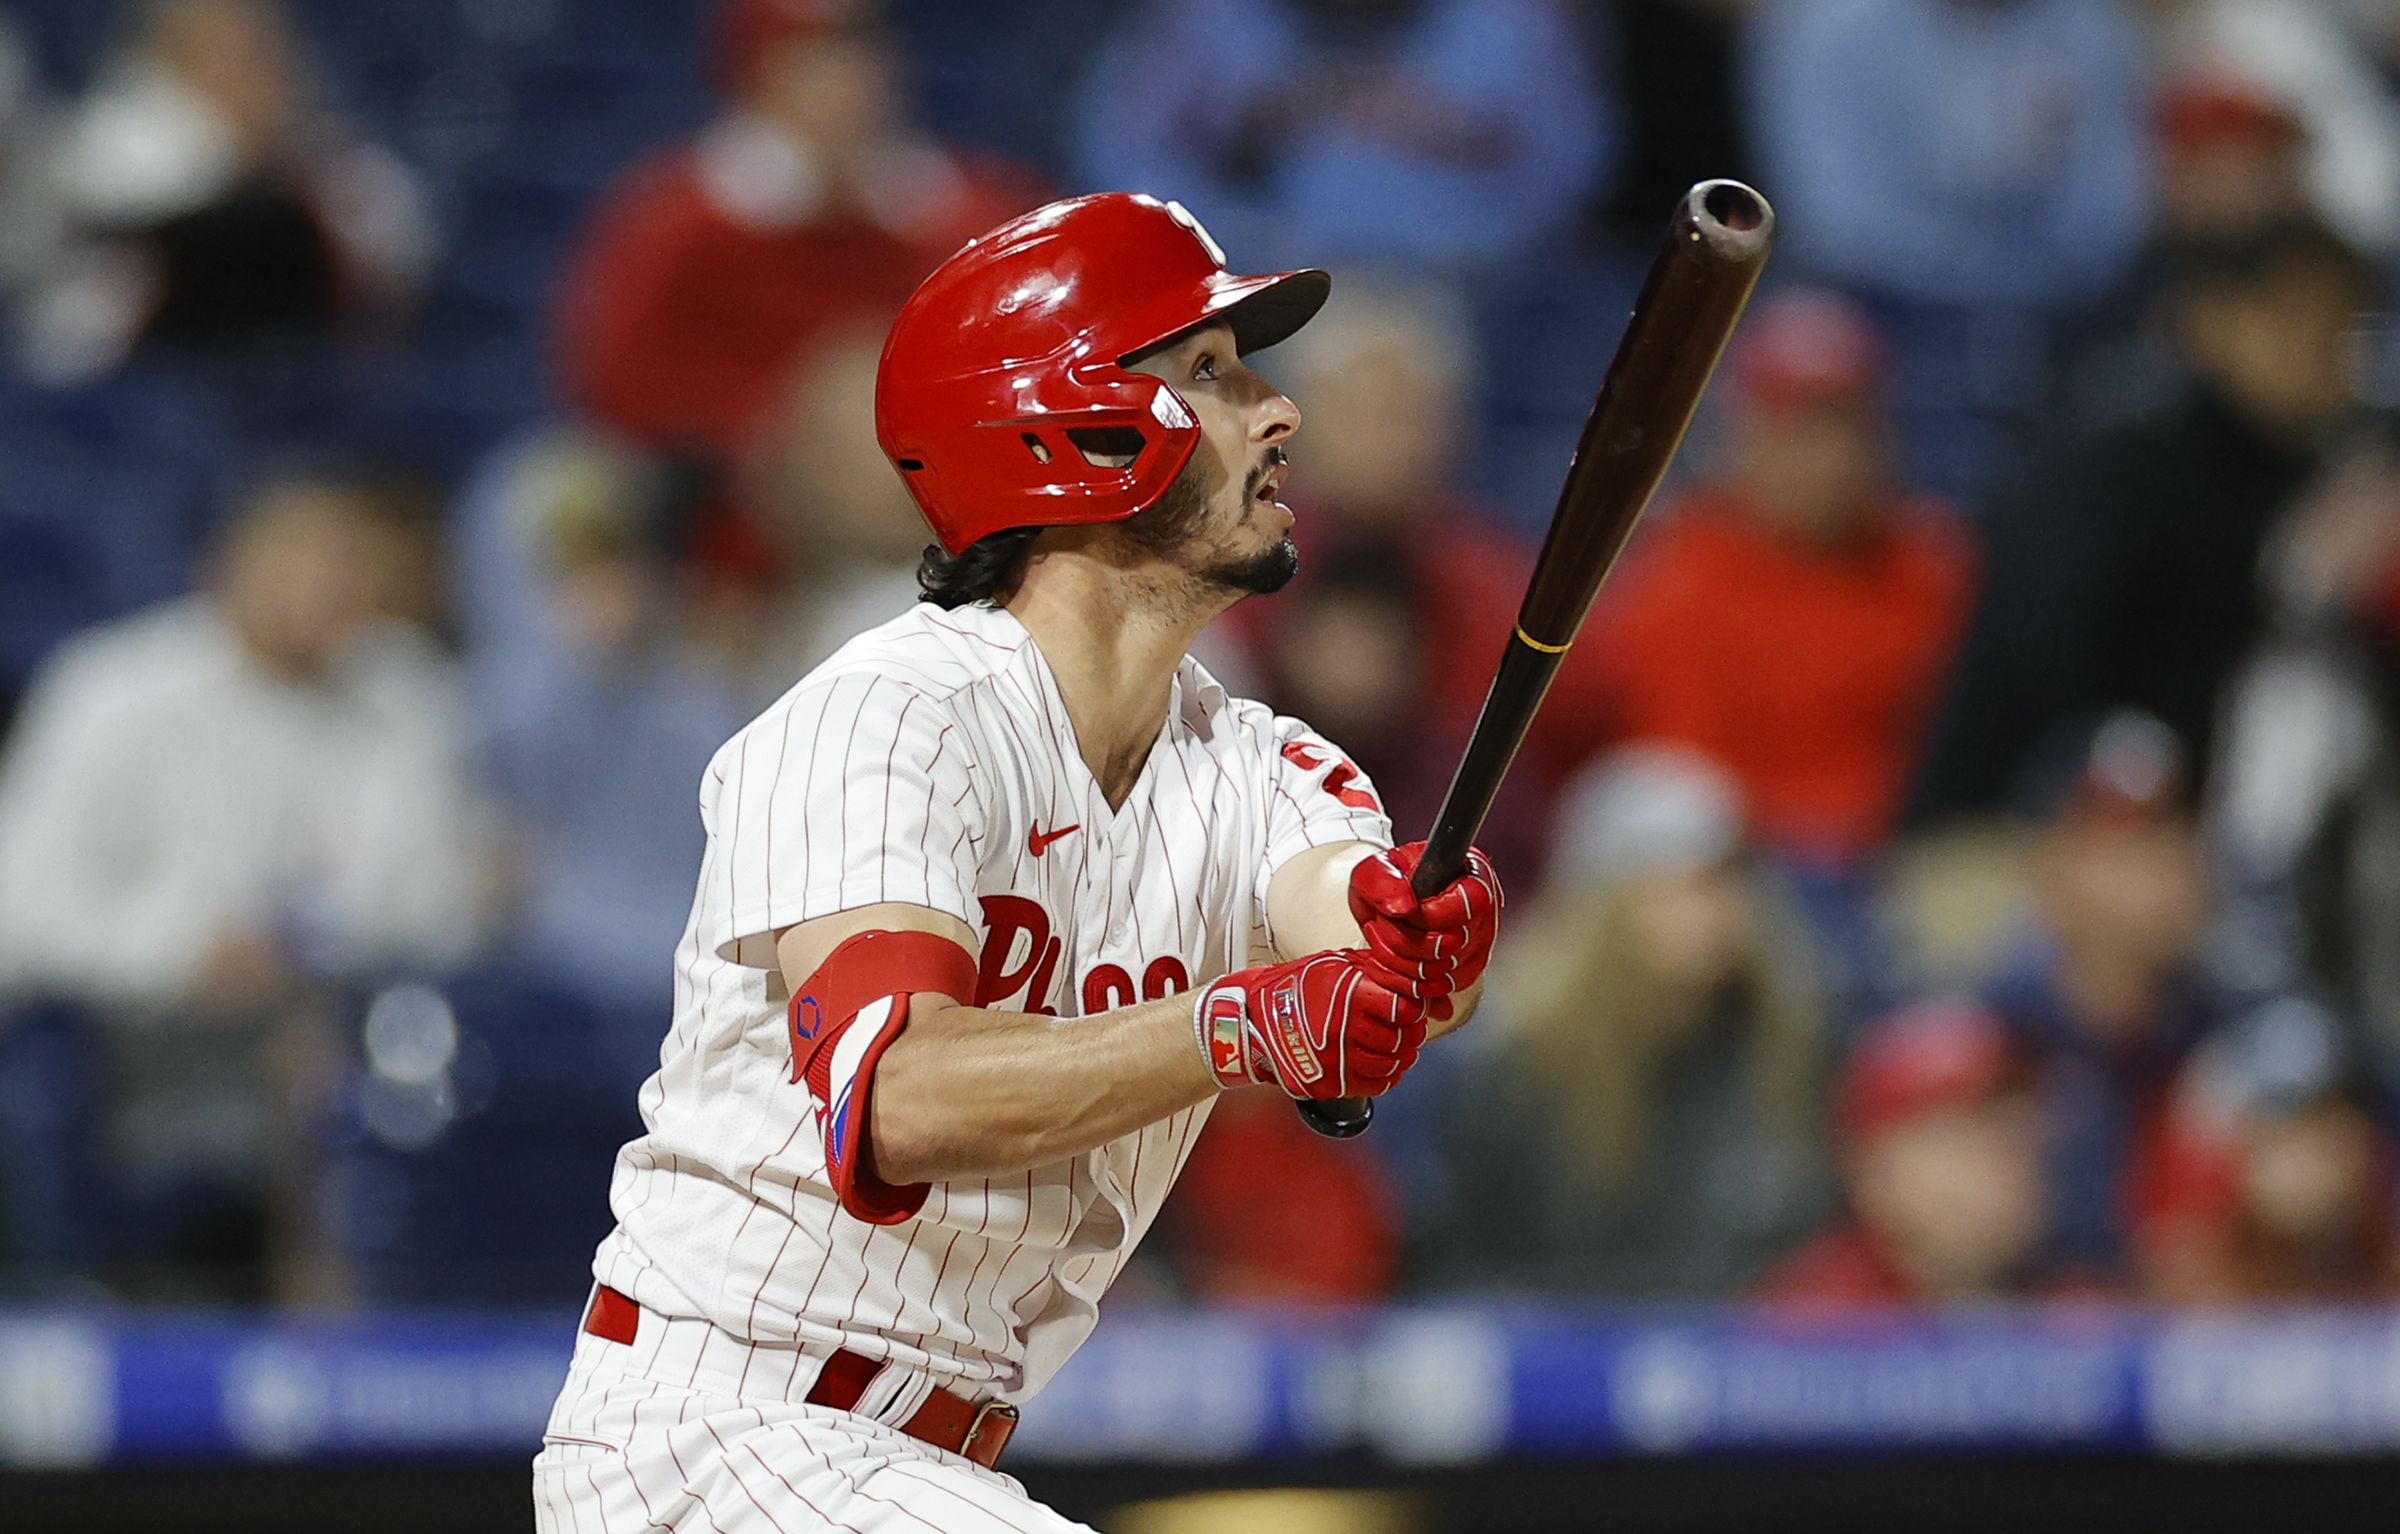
pixel 1259 573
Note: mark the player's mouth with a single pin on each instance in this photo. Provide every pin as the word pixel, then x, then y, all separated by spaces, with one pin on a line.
pixel 1266 483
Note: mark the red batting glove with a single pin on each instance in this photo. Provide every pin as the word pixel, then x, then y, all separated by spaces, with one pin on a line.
pixel 1316 1027
pixel 1432 948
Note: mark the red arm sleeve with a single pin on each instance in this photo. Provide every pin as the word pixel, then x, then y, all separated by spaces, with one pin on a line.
pixel 842 1019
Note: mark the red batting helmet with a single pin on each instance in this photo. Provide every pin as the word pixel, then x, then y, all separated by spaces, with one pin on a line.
pixel 1002 397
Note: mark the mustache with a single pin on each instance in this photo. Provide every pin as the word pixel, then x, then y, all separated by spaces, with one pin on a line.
pixel 1274 459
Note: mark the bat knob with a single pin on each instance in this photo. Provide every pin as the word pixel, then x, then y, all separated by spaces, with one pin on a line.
pixel 1338 1118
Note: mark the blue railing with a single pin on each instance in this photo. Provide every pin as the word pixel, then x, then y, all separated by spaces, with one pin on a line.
pixel 1424 1386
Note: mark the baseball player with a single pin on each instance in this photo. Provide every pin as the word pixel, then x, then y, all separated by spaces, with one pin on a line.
pixel 995 903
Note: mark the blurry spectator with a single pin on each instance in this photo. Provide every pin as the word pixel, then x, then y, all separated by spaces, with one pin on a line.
pixel 213 203
pixel 1964 152
pixel 253 782
pixel 2375 28
pixel 2312 60
pixel 599 713
pixel 1791 618
pixel 2306 813
pixel 2232 159
pixel 2283 1184
pixel 1424 132
pixel 811 201
pixel 28 215
pixel 1407 587
pixel 1681 102
pixel 2231 162
pixel 1650 1126
pixel 1941 1164
pixel 1359 658
pixel 1333 1239
pixel 206 807
pixel 1972 168
pixel 1385 375
pixel 2106 993
pixel 2124 569
pixel 842 538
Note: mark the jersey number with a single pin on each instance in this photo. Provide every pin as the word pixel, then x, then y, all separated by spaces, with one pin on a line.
pixel 1107 986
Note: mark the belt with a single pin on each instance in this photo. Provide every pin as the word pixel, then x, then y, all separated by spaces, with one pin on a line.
pixel 978 1430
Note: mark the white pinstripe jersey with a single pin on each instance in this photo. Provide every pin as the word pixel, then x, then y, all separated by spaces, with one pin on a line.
pixel 931 761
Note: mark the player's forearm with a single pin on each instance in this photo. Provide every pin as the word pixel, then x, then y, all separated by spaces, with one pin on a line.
pixel 966 1092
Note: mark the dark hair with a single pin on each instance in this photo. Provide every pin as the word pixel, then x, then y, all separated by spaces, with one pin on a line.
pixel 2245 262
pixel 986 570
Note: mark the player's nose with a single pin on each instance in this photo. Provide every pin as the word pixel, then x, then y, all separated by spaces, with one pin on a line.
pixel 1275 418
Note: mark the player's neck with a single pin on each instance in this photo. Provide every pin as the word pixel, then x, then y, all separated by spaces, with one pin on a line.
pixel 1113 644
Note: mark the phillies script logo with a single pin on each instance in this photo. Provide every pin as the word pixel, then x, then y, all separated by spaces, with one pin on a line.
pixel 1343 782
pixel 1020 957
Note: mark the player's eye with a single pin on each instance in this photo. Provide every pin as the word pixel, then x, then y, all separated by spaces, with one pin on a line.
pixel 1205 367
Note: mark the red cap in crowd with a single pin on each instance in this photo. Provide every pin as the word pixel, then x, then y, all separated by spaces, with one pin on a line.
pixel 2198 115
pixel 1808 348
pixel 1937 1054
pixel 749 31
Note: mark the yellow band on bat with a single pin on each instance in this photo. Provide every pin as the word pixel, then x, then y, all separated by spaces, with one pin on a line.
pixel 1546 649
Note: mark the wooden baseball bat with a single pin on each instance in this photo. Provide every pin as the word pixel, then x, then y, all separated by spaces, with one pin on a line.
pixel 1717 245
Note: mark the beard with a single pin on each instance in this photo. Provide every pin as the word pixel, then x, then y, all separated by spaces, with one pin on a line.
pixel 1172 527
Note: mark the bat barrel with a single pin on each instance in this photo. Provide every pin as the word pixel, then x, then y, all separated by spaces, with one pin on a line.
pixel 1717 245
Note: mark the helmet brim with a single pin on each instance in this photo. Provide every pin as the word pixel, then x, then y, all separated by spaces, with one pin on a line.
pixel 1262 310
pixel 1270 309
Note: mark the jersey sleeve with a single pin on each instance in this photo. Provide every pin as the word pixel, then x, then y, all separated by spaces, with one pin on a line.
pixel 1316 796
pixel 857 791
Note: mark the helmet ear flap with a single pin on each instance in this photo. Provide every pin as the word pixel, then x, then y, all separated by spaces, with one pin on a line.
pixel 1116 456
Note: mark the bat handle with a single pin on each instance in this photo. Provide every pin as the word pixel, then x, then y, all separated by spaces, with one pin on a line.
pixel 1346 1118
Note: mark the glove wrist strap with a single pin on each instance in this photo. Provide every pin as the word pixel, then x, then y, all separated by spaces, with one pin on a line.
pixel 1220 1019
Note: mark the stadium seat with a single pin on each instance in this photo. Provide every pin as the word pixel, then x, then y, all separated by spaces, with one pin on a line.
pixel 491 1185
pixel 50 1194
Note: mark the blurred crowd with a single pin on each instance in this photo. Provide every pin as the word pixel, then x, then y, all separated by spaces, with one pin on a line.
pixel 1961 860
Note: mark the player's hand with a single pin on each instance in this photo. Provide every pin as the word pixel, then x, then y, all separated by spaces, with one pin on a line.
pixel 1433 948
pixel 1319 1026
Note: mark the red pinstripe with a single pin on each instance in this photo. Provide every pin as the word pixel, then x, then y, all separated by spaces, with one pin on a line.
pixel 909 1472
pixel 1010 649
pixel 933 1319
pixel 857 1484
pixel 682 1413
pixel 891 754
pixel 599 1504
pixel 966 1307
pixel 735 1474
pixel 916 1228
pixel 857 1489
pixel 632 1437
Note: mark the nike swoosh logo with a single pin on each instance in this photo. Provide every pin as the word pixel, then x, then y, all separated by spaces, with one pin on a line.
pixel 1037 841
